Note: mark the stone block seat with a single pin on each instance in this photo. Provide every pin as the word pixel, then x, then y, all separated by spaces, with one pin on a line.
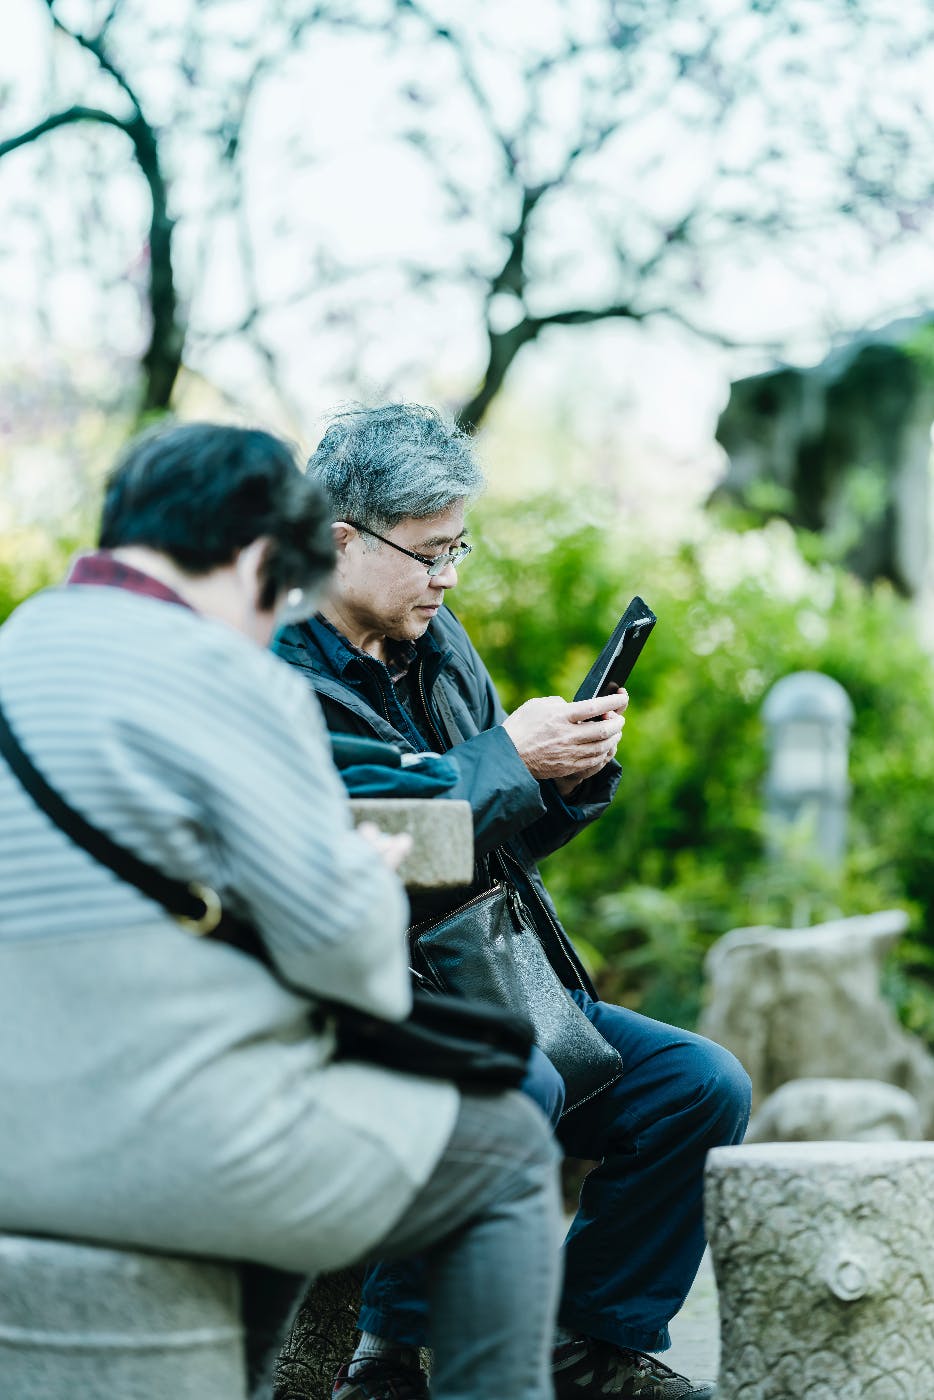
pixel 86 1322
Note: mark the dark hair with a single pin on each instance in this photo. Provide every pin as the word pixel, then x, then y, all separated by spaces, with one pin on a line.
pixel 201 492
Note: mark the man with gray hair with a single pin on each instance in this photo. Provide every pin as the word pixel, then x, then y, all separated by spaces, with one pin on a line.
pixel 388 660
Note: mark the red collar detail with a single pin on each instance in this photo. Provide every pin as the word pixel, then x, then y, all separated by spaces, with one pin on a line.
pixel 101 569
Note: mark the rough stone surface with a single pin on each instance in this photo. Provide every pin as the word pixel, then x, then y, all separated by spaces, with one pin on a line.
pixel 323 1336
pixel 842 1110
pixel 823 1260
pixel 442 837
pixel 805 1003
pixel 82 1321
pixel 808 717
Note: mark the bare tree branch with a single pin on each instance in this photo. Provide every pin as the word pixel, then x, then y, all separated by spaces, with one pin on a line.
pixel 69 117
pixel 162 358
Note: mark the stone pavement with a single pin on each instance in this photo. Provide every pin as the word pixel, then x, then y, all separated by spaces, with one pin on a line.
pixel 695 1332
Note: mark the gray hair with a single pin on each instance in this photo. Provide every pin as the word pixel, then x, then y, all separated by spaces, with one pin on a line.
pixel 383 465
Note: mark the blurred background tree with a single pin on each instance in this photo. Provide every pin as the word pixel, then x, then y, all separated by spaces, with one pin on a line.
pixel 572 224
pixel 178 170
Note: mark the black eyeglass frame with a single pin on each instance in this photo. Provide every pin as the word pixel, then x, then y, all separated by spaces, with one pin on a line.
pixel 434 566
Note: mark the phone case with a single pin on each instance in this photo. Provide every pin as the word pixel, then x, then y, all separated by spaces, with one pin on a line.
pixel 615 662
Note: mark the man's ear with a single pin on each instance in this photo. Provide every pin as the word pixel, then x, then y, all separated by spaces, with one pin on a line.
pixel 342 534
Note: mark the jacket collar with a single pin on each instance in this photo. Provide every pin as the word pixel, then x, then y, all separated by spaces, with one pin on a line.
pixel 318 647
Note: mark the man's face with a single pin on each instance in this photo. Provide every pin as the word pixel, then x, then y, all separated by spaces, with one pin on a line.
pixel 387 594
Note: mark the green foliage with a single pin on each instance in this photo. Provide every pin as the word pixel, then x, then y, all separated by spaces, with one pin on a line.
pixel 677 860
pixel 31 559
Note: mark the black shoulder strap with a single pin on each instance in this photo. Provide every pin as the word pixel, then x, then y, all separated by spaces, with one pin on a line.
pixel 195 906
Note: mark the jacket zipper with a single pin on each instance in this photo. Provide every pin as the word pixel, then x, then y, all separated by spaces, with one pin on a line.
pixel 420 670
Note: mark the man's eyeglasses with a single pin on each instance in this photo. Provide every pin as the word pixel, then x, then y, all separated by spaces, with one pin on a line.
pixel 435 564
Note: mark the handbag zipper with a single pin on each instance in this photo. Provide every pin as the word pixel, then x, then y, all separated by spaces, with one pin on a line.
pixel 517 908
pixel 416 930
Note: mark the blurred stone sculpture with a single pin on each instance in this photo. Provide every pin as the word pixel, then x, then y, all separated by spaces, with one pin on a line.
pixel 806 1003
pixel 822 1253
pixel 842 447
pixel 842 1110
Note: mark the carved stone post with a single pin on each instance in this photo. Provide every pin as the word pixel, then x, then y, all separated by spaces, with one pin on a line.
pixel 824 1257
pixel 808 717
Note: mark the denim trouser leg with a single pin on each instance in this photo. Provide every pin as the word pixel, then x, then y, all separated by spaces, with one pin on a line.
pixel 393 1295
pixel 636 1242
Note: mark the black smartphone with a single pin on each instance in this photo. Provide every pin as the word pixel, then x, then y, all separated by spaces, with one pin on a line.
pixel 615 662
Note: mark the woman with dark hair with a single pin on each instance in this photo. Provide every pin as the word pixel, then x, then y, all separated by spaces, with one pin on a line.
pixel 170 1091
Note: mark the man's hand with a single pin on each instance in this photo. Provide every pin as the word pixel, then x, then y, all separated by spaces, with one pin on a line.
pixel 569 742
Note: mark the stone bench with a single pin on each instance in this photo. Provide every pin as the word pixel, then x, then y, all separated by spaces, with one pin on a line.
pixel 84 1322
pixel 824 1259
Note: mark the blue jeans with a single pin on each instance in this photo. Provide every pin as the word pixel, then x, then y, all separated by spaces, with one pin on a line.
pixel 635 1244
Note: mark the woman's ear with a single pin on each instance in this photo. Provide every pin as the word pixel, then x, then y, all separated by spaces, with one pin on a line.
pixel 248 565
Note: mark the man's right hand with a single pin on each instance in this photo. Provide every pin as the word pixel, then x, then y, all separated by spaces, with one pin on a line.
pixel 560 739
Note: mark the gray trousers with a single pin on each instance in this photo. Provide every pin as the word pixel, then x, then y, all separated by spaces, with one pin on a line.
pixel 488 1223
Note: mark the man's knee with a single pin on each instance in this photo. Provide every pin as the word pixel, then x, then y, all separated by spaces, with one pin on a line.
pixel 726 1090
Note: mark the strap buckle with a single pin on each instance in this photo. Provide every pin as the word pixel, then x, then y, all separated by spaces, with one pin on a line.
pixel 213 911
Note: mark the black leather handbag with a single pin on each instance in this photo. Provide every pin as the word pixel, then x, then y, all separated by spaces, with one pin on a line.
pixel 477 1046
pixel 488 950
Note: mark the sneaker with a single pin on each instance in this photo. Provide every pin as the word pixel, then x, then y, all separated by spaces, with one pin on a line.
pixel 381 1380
pixel 589 1370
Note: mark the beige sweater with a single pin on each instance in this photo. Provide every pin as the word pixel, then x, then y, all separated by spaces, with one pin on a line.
pixel 155 1088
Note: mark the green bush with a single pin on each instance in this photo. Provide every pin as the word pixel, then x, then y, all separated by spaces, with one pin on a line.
pixel 677 860
pixel 31 559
